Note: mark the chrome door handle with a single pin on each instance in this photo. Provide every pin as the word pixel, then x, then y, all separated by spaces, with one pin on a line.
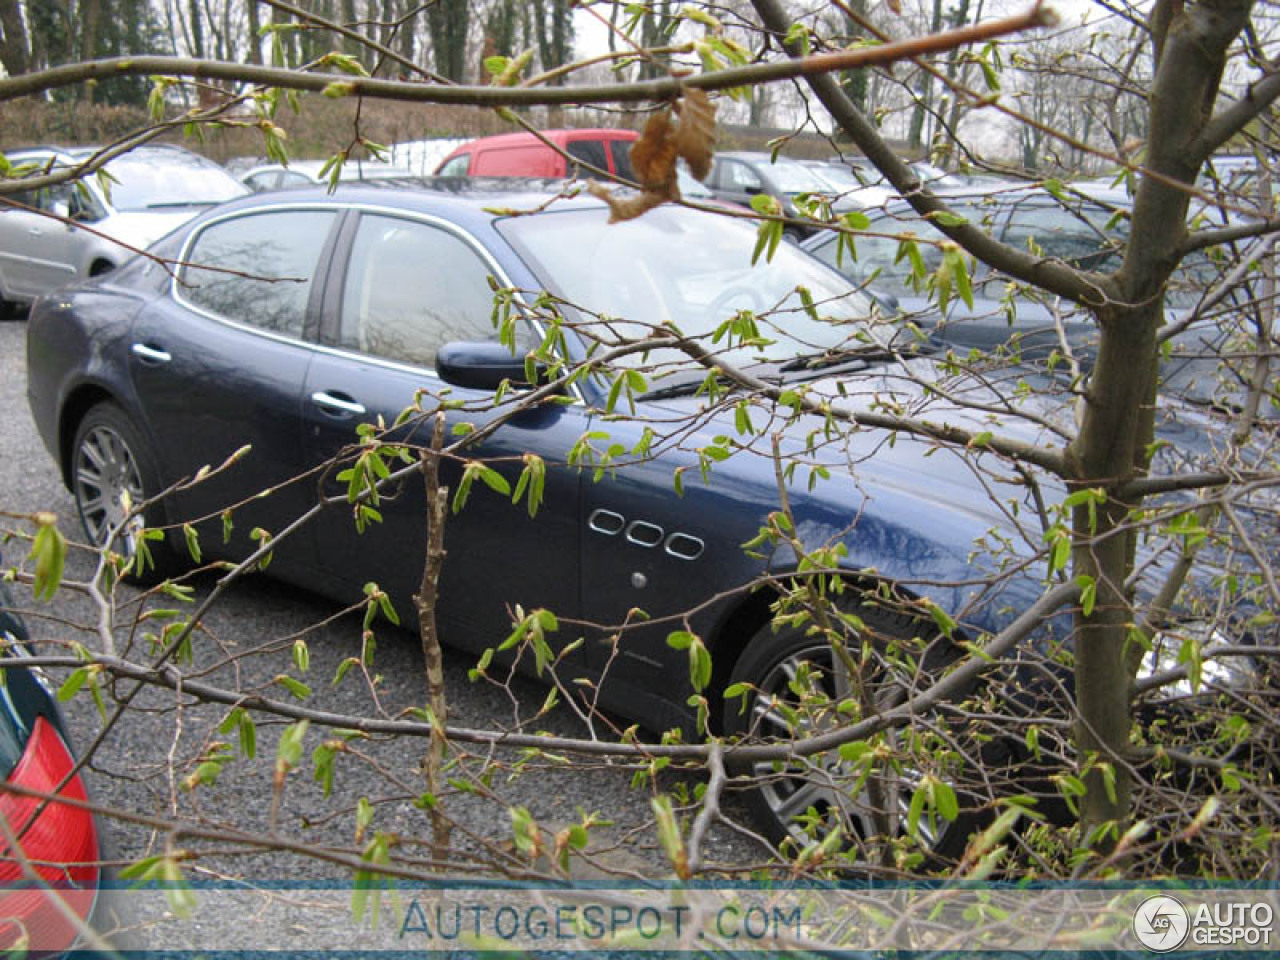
pixel 151 354
pixel 329 402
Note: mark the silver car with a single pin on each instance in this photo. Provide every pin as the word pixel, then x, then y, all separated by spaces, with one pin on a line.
pixel 51 236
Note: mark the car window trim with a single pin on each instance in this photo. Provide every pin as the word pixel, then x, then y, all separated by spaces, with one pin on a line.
pixel 331 310
pixel 338 244
pixel 308 323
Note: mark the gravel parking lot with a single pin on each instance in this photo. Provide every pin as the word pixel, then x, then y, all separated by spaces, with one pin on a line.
pixel 245 644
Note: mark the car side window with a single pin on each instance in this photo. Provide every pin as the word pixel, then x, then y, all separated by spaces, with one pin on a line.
pixel 260 182
pixel 740 177
pixel 1074 236
pixel 877 263
pixel 411 288
pixel 257 269
pixel 457 167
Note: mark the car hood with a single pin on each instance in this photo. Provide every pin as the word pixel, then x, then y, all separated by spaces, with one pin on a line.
pixel 965 480
pixel 918 510
pixel 901 462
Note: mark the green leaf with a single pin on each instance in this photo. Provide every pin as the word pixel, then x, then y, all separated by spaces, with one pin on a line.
pixel 959 272
pixel 669 834
pixel 339 89
pixel 525 831
pixel 855 220
pixel 364 814
pixel 71 686
pixel 1088 593
pixel 916 809
pixel 768 236
pixel 680 639
pixel 193 541
pixel 49 549
pixel 944 798
pixel 323 757
pixel 699 665
pixel 289 750
pixel 248 735
pixel 943 619
pixel 296 687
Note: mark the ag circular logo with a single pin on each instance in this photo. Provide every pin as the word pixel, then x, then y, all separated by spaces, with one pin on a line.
pixel 1161 923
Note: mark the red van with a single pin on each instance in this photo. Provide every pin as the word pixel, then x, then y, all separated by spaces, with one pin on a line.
pixel 524 155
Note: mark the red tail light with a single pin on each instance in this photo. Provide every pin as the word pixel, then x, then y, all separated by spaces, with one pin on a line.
pixel 61 844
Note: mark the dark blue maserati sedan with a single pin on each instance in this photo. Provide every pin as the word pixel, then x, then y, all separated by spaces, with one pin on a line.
pixel 283 321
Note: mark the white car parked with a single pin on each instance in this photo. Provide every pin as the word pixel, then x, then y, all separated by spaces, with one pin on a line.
pixel 53 235
pixel 307 173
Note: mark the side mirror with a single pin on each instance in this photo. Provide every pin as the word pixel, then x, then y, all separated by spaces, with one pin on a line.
pixel 479 365
pixel 887 300
pixel 61 209
pixel 752 191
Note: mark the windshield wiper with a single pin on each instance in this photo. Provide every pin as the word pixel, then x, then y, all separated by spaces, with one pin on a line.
pixel 821 361
pixel 166 204
pixel 683 388
pixel 864 358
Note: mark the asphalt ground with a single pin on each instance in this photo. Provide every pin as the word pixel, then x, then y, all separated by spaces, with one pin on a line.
pixel 245 643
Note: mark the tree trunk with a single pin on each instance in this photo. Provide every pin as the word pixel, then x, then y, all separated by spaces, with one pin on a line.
pixel 253 52
pixel 90 23
pixel 13 46
pixel 924 98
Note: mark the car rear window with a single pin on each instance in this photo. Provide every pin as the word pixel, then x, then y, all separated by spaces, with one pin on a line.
pixel 588 151
pixel 621 150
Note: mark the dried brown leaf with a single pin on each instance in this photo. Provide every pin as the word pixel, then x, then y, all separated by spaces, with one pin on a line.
pixel 695 137
pixel 632 205
pixel 653 156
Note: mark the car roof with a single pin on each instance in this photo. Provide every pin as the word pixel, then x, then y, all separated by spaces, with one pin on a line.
pixel 82 152
pixel 467 200
pixel 554 135
pixel 311 169
pixel 755 156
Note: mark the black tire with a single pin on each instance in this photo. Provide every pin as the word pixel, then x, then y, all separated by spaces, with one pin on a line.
pixel 8 309
pixel 108 458
pixel 798 802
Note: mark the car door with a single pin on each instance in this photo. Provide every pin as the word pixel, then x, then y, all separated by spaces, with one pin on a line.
pixel 219 365
pixel 410 286
pixel 735 181
pixel 38 244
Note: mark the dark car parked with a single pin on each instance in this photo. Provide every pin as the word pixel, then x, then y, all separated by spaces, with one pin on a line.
pixel 739 176
pixel 1084 228
pixel 297 316
pixel 61 842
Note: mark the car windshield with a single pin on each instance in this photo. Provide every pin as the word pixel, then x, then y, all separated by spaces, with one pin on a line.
pixel 692 270
pixel 837 177
pixel 150 181
pixel 792 177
